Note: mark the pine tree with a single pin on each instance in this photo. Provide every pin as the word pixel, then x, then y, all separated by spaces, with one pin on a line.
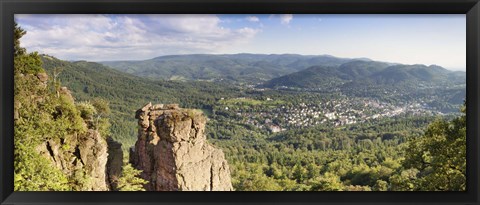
pixel 130 180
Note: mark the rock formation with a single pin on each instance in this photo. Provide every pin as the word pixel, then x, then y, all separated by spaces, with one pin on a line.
pixel 114 163
pixel 93 155
pixel 80 152
pixel 174 154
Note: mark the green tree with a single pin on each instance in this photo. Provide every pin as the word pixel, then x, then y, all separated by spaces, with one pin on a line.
pixel 440 156
pixel 102 111
pixel 130 180
pixel 405 181
pixel 328 182
pixel 380 185
pixel 18 33
pixel 299 173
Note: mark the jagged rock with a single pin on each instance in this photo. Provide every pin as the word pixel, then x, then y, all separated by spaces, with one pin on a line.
pixel 114 163
pixel 146 107
pixel 87 152
pixel 93 152
pixel 175 155
pixel 157 107
pixel 43 77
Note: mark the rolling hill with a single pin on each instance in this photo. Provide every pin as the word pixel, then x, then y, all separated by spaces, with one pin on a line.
pixel 355 73
pixel 252 68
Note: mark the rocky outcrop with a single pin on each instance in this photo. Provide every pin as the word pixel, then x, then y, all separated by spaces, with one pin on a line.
pixel 174 154
pixel 81 156
pixel 93 155
pixel 114 163
pixel 80 152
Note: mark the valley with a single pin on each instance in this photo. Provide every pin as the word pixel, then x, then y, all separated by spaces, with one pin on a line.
pixel 297 132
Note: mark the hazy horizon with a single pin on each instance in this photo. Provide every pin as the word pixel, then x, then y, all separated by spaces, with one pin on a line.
pixel 270 54
pixel 404 39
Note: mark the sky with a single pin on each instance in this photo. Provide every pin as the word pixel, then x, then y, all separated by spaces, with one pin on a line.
pixel 438 39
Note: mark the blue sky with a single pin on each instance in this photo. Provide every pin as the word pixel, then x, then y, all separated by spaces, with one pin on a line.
pixel 407 39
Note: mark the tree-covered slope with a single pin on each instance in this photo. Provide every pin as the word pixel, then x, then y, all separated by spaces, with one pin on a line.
pixel 368 73
pixel 313 77
pixel 126 93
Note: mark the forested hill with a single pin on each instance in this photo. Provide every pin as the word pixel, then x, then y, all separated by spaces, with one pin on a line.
pixel 126 93
pixel 354 73
pixel 250 68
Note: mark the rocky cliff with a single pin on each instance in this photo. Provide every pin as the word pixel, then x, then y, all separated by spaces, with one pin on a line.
pixel 84 155
pixel 174 154
pixel 80 156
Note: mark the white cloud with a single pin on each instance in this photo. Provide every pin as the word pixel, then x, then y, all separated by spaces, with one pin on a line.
pixel 127 37
pixel 286 18
pixel 253 19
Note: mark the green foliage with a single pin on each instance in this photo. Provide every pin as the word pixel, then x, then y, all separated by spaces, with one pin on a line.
pixel 102 106
pixel 405 181
pixel 17 34
pixel 103 126
pixel 380 185
pixel 87 110
pixel 130 180
pixel 28 63
pixel 42 114
pixel 295 161
pixel 253 179
pixel 328 182
pixel 94 114
pixel 80 180
pixel 440 156
pixel 36 173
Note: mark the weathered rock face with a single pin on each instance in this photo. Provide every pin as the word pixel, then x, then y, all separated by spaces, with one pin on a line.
pixel 85 152
pixel 174 154
pixel 93 153
pixel 114 163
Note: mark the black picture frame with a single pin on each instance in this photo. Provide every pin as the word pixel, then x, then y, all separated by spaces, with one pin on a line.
pixel 10 7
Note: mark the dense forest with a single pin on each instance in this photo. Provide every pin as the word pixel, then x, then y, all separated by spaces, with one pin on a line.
pixel 402 153
pixel 275 137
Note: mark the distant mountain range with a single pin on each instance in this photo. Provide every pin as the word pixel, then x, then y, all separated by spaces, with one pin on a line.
pixel 251 68
pixel 291 70
pixel 355 73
